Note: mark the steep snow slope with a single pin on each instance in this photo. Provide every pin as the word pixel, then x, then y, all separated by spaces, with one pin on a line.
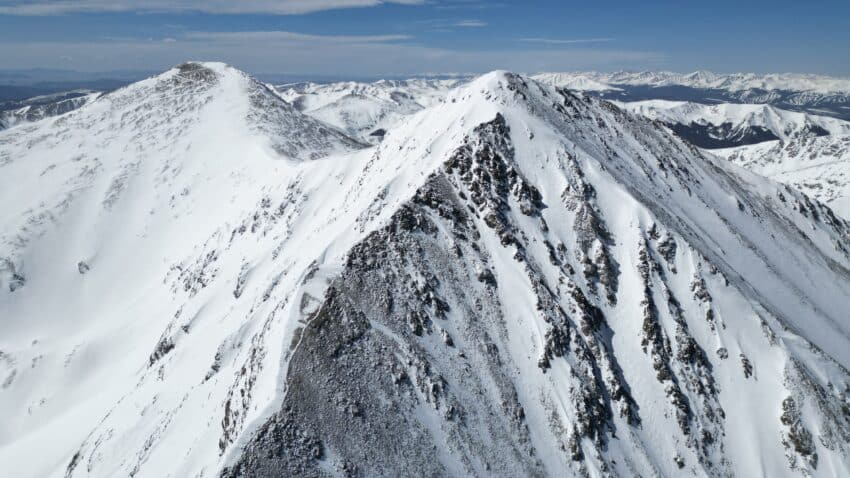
pixel 517 281
pixel 366 110
pixel 735 123
pixel 820 167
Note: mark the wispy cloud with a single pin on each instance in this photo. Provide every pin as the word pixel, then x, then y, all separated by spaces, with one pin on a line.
pixel 470 24
pixel 289 37
pixel 274 7
pixel 469 5
pixel 449 24
pixel 284 52
pixel 558 41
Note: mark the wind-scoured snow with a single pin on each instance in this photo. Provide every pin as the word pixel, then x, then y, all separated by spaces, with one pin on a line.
pixel 198 279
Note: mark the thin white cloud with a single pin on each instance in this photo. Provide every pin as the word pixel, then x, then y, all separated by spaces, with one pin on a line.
pixel 274 7
pixel 469 5
pixel 289 37
pixel 557 41
pixel 282 52
pixel 470 24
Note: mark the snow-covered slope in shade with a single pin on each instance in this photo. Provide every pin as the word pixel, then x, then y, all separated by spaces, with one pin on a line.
pixel 367 110
pixel 517 281
pixel 39 108
pixel 820 166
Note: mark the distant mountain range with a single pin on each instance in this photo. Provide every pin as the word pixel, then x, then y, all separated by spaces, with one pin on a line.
pixel 43 106
pixel 815 94
pixel 731 124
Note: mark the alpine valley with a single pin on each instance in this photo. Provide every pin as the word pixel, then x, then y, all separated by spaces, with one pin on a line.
pixel 565 274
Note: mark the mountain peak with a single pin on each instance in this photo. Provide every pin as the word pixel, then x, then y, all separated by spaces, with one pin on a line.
pixel 498 80
pixel 204 71
pixel 211 65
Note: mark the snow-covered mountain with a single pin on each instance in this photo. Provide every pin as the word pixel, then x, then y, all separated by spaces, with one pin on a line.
pixel 727 125
pixel 200 280
pixel 118 218
pixel 816 94
pixel 818 166
pixel 367 110
pixel 40 107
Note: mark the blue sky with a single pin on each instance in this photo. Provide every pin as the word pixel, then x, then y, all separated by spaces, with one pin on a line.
pixel 373 38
